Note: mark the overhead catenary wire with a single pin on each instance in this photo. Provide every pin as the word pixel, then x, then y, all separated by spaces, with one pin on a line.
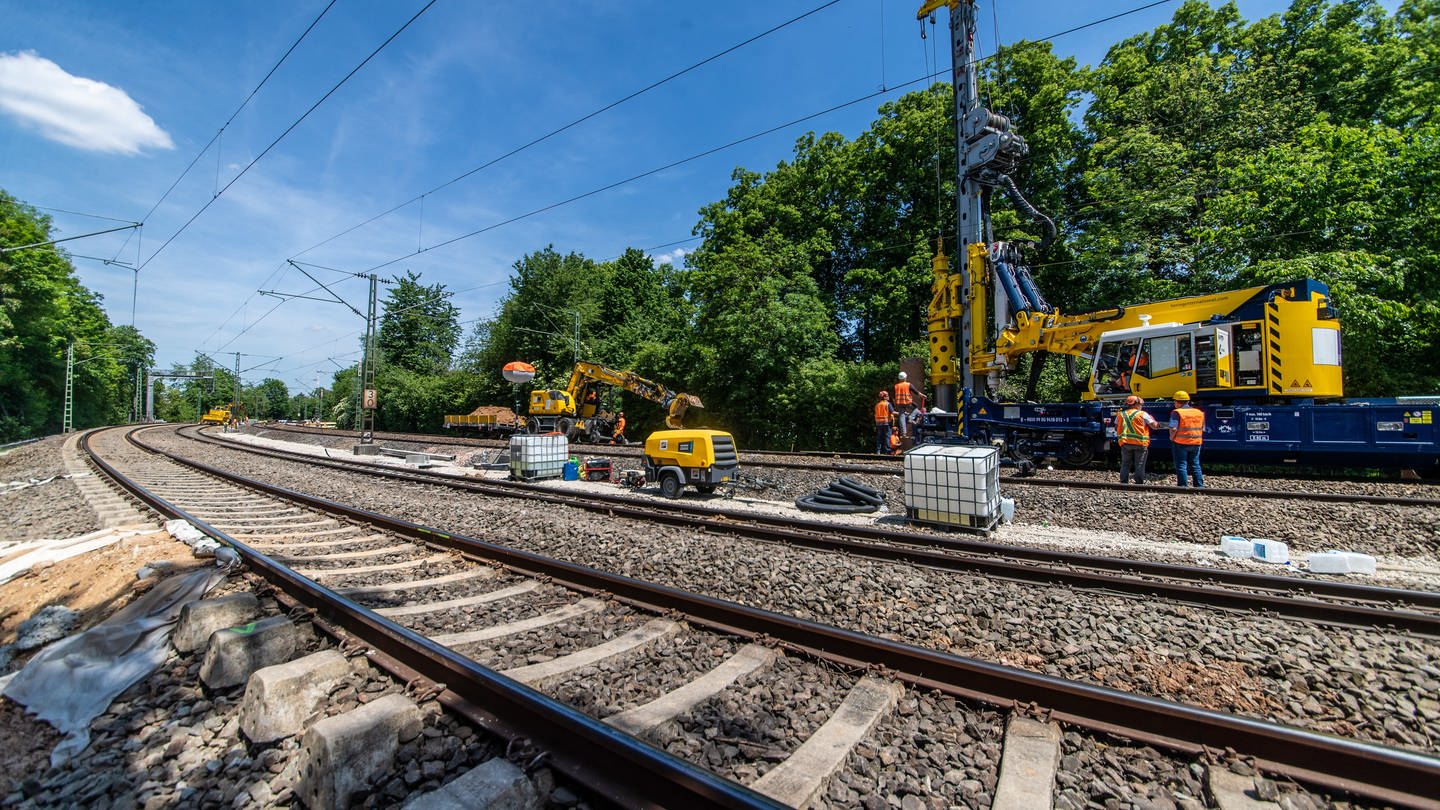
pixel 707 153
pixel 231 119
pixel 288 130
pixel 673 164
pixel 582 119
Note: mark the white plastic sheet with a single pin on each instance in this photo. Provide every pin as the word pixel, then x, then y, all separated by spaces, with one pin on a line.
pixel 74 680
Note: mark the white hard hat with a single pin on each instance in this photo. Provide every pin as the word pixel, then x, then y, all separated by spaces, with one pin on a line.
pixel 902 375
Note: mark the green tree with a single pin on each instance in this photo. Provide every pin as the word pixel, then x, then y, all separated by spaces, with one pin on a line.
pixel 271 398
pixel 43 311
pixel 419 327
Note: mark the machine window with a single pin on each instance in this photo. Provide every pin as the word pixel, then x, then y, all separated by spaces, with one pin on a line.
pixel 1326 346
pixel 1161 356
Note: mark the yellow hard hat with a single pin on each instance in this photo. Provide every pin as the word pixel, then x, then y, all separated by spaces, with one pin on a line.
pixel 1181 396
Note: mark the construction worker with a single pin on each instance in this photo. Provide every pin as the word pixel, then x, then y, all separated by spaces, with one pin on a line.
pixel 884 416
pixel 1132 429
pixel 904 401
pixel 618 437
pixel 1126 368
pixel 1187 431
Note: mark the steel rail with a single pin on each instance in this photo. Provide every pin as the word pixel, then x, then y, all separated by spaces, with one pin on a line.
pixel 1203 492
pixel 1401 777
pixel 621 767
pixel 971 555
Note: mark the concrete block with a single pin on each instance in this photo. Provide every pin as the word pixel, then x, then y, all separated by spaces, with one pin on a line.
pixel 493 785
pixel 201 618
pixel 236 652
pixel 343 755
pixel 279 699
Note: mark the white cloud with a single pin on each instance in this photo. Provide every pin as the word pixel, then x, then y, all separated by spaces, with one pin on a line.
pixel 673 257
pixel 75 111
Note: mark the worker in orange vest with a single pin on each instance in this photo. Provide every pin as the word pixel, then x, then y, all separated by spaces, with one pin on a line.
pixel 884 416
pixel 618 437
pixel 906 396
pixel 1132 430
pixel 1187 432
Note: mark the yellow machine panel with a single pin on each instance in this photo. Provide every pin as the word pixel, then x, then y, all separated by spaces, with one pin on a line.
pixel 698 457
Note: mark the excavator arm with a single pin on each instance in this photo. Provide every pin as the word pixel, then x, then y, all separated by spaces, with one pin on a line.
pixel 675 404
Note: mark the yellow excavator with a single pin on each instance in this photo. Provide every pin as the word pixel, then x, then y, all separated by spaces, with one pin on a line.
pixel 576 409
pixel 222 414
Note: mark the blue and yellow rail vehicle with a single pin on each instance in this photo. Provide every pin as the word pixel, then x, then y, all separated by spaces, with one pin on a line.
pixel 1264 363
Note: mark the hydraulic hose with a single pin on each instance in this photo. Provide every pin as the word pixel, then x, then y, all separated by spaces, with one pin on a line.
pixel 1024 205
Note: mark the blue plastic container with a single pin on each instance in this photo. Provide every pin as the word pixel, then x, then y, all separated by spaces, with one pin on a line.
pixel 572 471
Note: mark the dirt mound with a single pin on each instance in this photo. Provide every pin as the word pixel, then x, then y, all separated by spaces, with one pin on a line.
pixel 503 416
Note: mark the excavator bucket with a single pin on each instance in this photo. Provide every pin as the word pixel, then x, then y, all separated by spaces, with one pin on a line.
pixel 682 403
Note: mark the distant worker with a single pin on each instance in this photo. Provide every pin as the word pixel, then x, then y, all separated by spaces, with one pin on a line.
pixel 1187 431
pixel 1132 428
pixel 618 437
pixel 906 396
pixel 884 415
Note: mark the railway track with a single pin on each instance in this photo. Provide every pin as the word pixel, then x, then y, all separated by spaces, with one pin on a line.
pixel 1339 603
pixel 814 651
pixel 870 464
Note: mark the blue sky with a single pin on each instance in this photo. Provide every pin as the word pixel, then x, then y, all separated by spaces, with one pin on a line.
pixel 104 104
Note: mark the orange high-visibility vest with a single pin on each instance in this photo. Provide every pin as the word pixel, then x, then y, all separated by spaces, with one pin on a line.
pixel 902 393
pixel 1191 427
pixel 1131 427
pixel 882 412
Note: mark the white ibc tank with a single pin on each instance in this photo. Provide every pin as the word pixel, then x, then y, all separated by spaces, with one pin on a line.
pixel 538 456
pixel 953 485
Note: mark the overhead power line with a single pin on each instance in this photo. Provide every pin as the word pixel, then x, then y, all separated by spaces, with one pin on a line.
pixel 231 119
pixel 288 130
pixel 582 119
pixel 867 97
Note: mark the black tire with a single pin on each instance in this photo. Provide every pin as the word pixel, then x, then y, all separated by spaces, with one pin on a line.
pixel 865 495
pixel 670 485
pixel 809 504
pixel 856 485
pixel 564 426
pixel 532 426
